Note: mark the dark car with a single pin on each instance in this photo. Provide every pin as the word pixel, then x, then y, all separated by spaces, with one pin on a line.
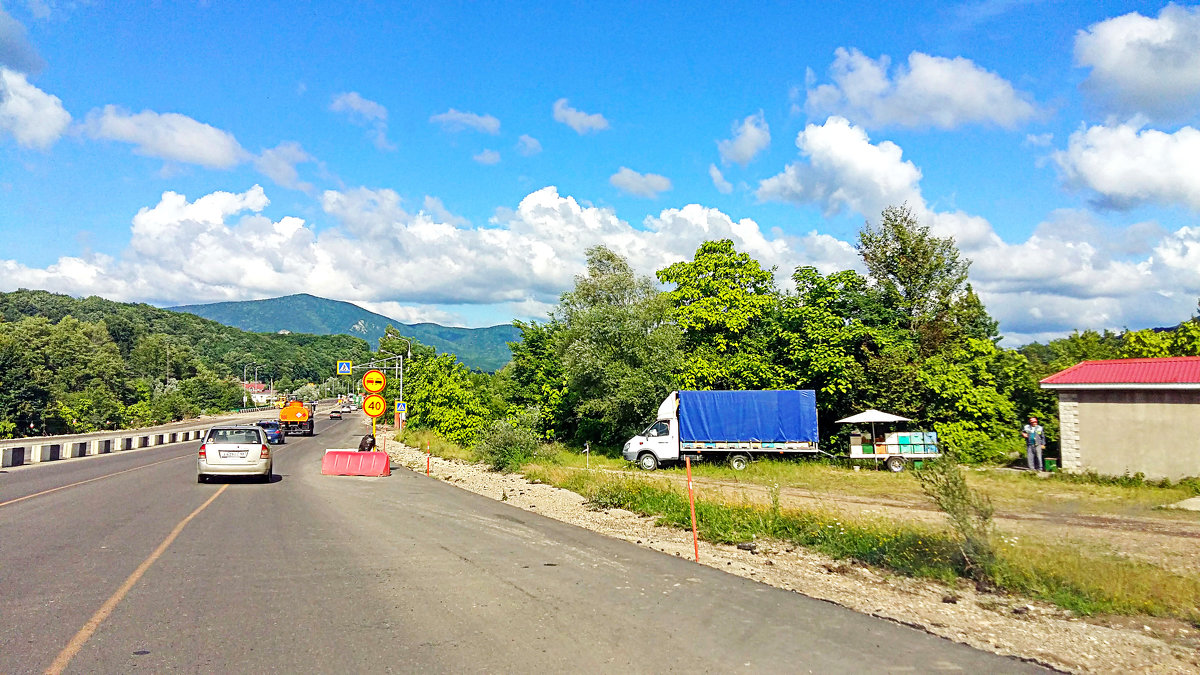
pixel 273 431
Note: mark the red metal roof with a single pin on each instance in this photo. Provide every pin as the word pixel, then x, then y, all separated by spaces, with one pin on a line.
pixel 1173 370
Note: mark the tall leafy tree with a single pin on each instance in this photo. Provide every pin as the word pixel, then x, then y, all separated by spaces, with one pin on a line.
pixel 617 346
pixel 721 300
pixel 924 278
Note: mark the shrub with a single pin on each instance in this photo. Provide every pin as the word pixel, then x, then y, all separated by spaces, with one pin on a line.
pixel 969 511
pixel 508 444
pixel 972 445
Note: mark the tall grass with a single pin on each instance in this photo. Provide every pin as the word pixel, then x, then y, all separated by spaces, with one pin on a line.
pixel 1080 581
pixel 1077 579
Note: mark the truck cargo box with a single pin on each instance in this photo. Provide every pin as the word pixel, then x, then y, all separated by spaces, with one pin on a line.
pixel 762 416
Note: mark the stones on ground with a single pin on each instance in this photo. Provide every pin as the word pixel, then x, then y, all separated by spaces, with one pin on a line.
pixel 1192 504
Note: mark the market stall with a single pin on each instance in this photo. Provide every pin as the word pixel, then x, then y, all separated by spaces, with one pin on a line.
pixel 894 448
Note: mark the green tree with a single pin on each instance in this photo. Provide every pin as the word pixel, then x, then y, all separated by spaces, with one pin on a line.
pixel 923 277
pixel 721 300
pixel 617 347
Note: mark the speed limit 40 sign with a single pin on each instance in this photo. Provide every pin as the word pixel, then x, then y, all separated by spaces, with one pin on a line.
pixel 374 405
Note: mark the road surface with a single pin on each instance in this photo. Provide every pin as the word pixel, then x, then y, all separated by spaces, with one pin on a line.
pixel 123 563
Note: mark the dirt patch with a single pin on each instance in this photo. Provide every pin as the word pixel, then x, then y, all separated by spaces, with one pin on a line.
pixel 996 623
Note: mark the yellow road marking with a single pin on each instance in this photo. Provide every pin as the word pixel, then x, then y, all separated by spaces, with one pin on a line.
pixel 89 628
pixel 107 475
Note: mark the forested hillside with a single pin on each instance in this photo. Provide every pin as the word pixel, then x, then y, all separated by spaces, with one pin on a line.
pixel 72 365
pixel 477 348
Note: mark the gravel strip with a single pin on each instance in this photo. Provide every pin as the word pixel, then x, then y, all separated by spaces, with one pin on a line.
pixel 995 623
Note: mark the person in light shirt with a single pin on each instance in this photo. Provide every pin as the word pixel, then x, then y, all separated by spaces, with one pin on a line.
pixel 1035 443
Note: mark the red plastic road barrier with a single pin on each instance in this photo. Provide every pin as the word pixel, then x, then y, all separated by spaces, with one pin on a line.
pixel 354 463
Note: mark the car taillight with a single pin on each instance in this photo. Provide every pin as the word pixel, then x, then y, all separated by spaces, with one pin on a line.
pixel 265 453
pixel 202 455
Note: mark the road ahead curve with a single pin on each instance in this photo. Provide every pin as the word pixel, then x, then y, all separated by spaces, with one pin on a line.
pixel 321 574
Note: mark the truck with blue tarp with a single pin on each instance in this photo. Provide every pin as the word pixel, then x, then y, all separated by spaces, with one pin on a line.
pixel 730 426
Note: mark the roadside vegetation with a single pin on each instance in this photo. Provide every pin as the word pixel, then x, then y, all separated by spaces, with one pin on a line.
pixel 72 365
pixel 1083 580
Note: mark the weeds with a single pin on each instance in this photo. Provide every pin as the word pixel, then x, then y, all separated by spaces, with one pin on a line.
pixel 1083 581
pixel 969 511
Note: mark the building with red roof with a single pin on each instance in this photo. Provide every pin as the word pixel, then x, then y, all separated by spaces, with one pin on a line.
pixel 1128 416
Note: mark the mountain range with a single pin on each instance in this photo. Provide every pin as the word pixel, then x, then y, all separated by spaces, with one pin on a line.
pixel 478 348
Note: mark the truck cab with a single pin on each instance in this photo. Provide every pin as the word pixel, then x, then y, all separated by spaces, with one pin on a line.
pixel 657 444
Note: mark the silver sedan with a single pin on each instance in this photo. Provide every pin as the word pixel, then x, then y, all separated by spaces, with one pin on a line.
pixel 234 451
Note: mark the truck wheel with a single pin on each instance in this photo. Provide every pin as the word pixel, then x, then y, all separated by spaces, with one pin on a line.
pixel 894 464
pixel 739 461
pixel 647 461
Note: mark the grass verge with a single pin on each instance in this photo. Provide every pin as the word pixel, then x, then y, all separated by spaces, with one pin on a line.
pixel 1082 581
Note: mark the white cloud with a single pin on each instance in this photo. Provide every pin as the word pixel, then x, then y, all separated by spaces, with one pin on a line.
pixel 33 117
pixel 931 91
pixel 639 184
pixel 578 120
pixel 168 136
pixel 487 157
pixel 844 170
pixel 750 137
pixel 279 164
pixel 1039 140
pixel 1144 65
pixel 438 211
pixel 219 247
pixel 411 313
pixel 454 120
pixel 1074 271
pixel 528 145
pixel 1127 165
pixel 723 186
pixel 365 113
pixel 15 50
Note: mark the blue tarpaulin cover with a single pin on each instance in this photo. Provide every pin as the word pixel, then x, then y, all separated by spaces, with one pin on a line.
pixel 768 416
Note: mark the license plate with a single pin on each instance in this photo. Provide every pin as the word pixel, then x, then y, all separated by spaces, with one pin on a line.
pixel 229 454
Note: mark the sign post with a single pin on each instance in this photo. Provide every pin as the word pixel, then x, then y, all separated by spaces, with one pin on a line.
pixel 373 382
pixel 374 406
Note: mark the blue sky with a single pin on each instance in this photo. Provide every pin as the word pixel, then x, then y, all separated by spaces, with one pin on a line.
pixel 452 163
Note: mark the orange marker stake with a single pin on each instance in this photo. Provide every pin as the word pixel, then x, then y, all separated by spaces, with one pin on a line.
pixel 692 500
pixel 428 457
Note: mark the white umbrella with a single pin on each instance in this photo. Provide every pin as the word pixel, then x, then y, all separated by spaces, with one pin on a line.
pixel 872 416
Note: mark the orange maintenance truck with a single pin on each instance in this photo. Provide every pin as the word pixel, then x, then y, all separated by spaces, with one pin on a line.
pixel 297 418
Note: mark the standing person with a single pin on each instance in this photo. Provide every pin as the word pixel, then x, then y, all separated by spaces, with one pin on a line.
pixel 1035 443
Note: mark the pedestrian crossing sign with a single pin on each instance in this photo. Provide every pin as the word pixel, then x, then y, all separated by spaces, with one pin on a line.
pixel 345 368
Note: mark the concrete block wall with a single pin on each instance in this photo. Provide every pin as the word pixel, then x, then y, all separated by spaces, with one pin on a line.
pixel 1068 431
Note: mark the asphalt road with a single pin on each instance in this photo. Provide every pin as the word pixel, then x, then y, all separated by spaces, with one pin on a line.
pixel 315 573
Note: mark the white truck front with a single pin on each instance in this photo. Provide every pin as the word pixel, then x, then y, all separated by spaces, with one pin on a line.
pixel 660 441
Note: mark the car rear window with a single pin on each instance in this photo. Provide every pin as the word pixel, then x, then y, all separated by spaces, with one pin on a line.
pixel 233 436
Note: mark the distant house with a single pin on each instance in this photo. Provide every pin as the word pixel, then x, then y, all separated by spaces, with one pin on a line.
pixel 1129 416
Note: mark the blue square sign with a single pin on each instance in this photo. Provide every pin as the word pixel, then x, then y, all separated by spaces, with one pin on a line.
pixel 401 406
pixel 345 368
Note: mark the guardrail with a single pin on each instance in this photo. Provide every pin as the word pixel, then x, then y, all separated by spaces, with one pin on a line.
pixel 36 449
